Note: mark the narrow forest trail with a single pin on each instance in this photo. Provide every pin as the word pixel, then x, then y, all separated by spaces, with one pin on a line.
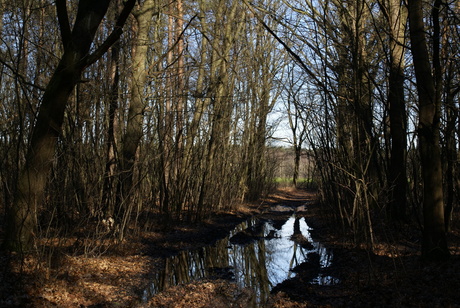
pixel 389 276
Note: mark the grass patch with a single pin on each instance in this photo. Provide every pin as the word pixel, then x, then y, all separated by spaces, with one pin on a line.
pixel 288 181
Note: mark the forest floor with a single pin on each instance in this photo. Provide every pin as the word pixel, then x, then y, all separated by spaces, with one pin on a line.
pixel 80 275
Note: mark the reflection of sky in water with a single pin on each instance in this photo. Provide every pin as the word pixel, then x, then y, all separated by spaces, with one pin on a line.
pixel 259 265
pixel 282 254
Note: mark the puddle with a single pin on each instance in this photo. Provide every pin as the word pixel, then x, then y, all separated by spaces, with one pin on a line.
pixel 257 254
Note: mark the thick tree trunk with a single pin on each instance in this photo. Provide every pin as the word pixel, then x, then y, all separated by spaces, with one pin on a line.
pixel 109 190
pixel 434 245
pixel 450 137
pixel 134 130
pixel 32 180
pixel 451 155
pixel 397 112
pixel 297 155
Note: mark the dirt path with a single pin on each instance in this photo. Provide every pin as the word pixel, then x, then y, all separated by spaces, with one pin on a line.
pixel 390 276
pixel 72 276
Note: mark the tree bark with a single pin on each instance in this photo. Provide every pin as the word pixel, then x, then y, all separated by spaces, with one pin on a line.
pixel 397 112
pixel 39 159
pixel 109 190
pixel 434 245
pixel 134 130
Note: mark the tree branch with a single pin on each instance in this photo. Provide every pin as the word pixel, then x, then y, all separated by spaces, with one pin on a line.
pixel 175 44
pixel 114 36
pixel 294 55
pixel 21 77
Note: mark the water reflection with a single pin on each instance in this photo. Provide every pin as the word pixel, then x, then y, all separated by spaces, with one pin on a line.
pixel 257 254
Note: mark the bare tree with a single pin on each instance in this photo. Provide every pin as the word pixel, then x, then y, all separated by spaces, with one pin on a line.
pixel 396 17
pixel 77 42
pixel 434 245
pixel 295 104
pixel 134 125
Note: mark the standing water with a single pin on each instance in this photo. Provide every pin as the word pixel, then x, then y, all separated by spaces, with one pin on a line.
pixel 257 254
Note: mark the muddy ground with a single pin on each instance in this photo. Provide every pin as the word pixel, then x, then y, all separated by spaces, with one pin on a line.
pixel 104 274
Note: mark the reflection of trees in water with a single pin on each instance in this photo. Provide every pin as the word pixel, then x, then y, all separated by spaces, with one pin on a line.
pixel 297 226
pixel 250 262
pixel 265 263
pixel 193 265
pixel 219 261
pixel 261 263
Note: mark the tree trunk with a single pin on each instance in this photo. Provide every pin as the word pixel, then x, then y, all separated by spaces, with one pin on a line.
pixel 434 245
pixel 450 154
pixel 451 113
pixel 109 188
pixel 134 130
pixel 297 154
pixel 39 159
pixel 397 111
